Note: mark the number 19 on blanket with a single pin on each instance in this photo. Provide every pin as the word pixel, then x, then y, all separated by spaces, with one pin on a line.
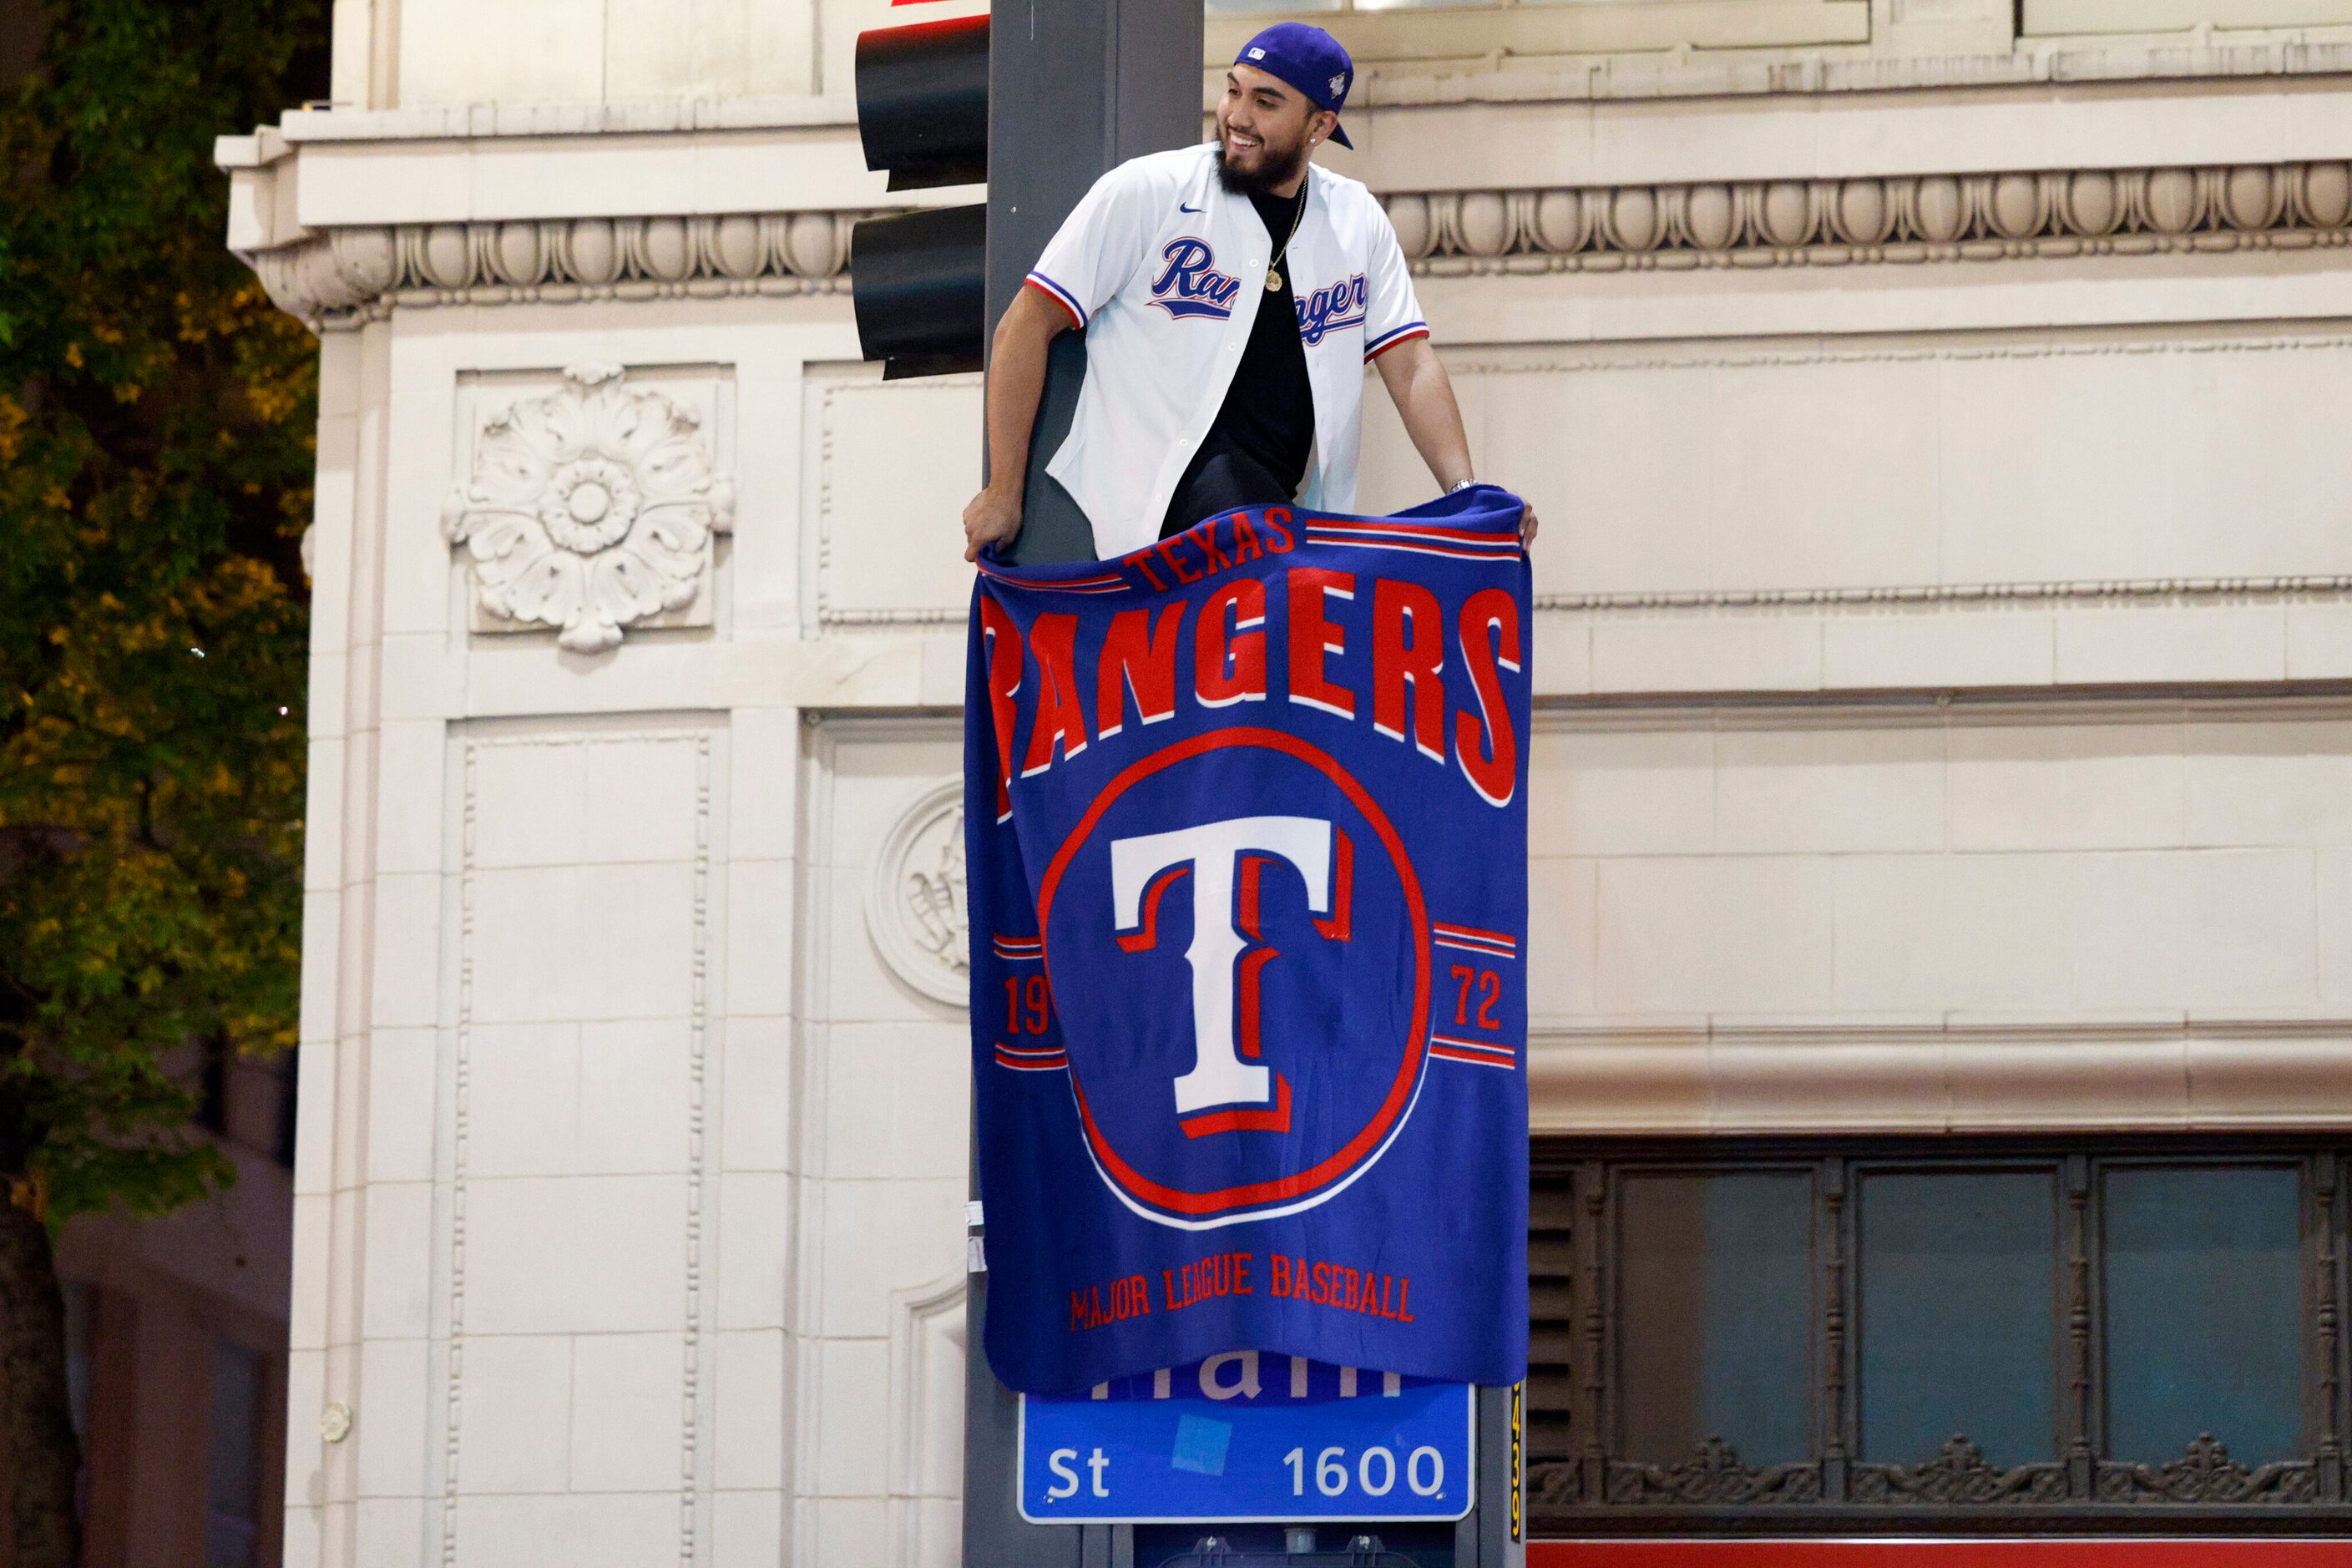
pixel 1247 1437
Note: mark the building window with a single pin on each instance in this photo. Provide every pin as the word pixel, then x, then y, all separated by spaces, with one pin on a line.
pixel 234 1492
pixel 1308 7
pixel 2045 16
pixel 1381 33
pixel 2107 1335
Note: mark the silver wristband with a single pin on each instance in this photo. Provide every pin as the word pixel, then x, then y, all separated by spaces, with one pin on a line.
pixel 1462 486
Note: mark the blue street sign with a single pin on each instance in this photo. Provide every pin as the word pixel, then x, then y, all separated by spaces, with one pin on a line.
pixel 1249 1438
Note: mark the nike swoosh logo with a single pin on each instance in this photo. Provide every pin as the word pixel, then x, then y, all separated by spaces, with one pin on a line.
pixel 1182 208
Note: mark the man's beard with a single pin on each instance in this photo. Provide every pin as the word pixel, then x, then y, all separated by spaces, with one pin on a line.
pixel 1263 182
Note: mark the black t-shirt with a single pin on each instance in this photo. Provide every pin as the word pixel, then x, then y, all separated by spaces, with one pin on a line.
pixel 1269 411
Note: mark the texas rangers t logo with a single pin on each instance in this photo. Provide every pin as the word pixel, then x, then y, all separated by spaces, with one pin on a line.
pixel 1284 912
pixel 1226 940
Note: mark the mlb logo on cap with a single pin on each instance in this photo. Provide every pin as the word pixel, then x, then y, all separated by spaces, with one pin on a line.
pixel 1308 58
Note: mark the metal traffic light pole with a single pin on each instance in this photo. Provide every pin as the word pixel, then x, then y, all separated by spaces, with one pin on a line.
pixel 1075 88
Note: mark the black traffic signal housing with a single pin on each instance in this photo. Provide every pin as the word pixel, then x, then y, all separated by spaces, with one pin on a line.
pixel 917 279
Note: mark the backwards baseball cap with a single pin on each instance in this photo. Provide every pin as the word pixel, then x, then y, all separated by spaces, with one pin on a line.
pixel 1309 60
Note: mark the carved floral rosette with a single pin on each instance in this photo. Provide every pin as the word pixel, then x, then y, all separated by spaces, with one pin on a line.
pixel 590 509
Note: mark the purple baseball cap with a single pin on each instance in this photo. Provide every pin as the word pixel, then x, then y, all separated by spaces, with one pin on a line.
pixel 1309 60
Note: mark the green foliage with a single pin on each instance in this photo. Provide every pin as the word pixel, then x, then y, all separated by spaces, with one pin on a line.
pixel 155 464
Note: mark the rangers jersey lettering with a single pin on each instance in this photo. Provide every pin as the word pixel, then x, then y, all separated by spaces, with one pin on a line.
pixel 1246 854
pixel 1164 270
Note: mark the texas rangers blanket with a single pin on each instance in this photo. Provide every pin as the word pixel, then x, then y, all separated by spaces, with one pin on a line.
pixel 1245 818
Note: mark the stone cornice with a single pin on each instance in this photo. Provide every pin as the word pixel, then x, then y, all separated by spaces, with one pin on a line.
pixel 2109 590
pixel 2047 212
pixel 1750 73
pixel 337 277
pixel 1946 1076
pixel 341 278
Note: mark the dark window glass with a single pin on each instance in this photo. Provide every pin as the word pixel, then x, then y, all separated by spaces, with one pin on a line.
pixel 212 1085
pixel 2204 1313
pixel 233 1519
pixel 289 1080
pixel 1957 1318
pixel 80 1306
pixel 1814 1337
pixel 1715 1315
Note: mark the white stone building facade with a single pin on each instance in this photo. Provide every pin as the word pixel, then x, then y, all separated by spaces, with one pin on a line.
pixel 1939 409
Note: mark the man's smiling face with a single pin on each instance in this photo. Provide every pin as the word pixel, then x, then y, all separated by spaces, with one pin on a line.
pixel 1262 129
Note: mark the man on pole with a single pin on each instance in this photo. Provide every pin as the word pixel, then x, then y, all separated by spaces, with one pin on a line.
pixel 1230 294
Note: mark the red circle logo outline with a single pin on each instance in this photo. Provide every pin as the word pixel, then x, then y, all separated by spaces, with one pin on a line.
pixel 1251 1194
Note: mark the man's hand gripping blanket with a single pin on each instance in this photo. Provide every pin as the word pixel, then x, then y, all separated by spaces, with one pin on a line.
pixel 1245 829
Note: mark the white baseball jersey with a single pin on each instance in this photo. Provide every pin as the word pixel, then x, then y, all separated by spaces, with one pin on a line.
pixel 1163 270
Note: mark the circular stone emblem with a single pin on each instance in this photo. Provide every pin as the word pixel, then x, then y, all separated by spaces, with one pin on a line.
pixel 915 907
pixel 1244 1000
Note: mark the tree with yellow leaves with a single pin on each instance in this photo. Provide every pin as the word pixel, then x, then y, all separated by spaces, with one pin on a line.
pixel 156 419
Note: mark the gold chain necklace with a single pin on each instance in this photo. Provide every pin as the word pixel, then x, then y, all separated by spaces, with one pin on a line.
pixel 1274 267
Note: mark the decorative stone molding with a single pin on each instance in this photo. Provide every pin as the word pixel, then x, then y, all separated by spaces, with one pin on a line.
pixel 449 1484
pixel 1960 1477
pixel 590 509
pixel 1713 1476
pixel 1907 218
pixel 1724 1078
pixel 915 907
pixel 2088 591
pixel 341 278
pixel 2206 1474
pixel 1688 72
pixel 926 1435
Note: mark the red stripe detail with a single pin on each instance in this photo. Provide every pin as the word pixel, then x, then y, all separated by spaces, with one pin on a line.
pixel 1246 917
pixel 1418 530
pixel 1004 1050
pixel 1275 1121
pixel 1247 999
pixel 1075 586
pixel 1399 338
pixel 1343 891
pixel 1476 1061
pixel 1144 941
pixel 1066 583
pixel 1031 283
pixel 1445 550
pixel 1476 1044
pixel 1442 929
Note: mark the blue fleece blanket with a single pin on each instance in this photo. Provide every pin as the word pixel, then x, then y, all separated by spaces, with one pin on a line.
pixel 1246 819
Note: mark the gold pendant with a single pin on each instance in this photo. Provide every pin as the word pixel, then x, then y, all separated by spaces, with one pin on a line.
pixel 1273 281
